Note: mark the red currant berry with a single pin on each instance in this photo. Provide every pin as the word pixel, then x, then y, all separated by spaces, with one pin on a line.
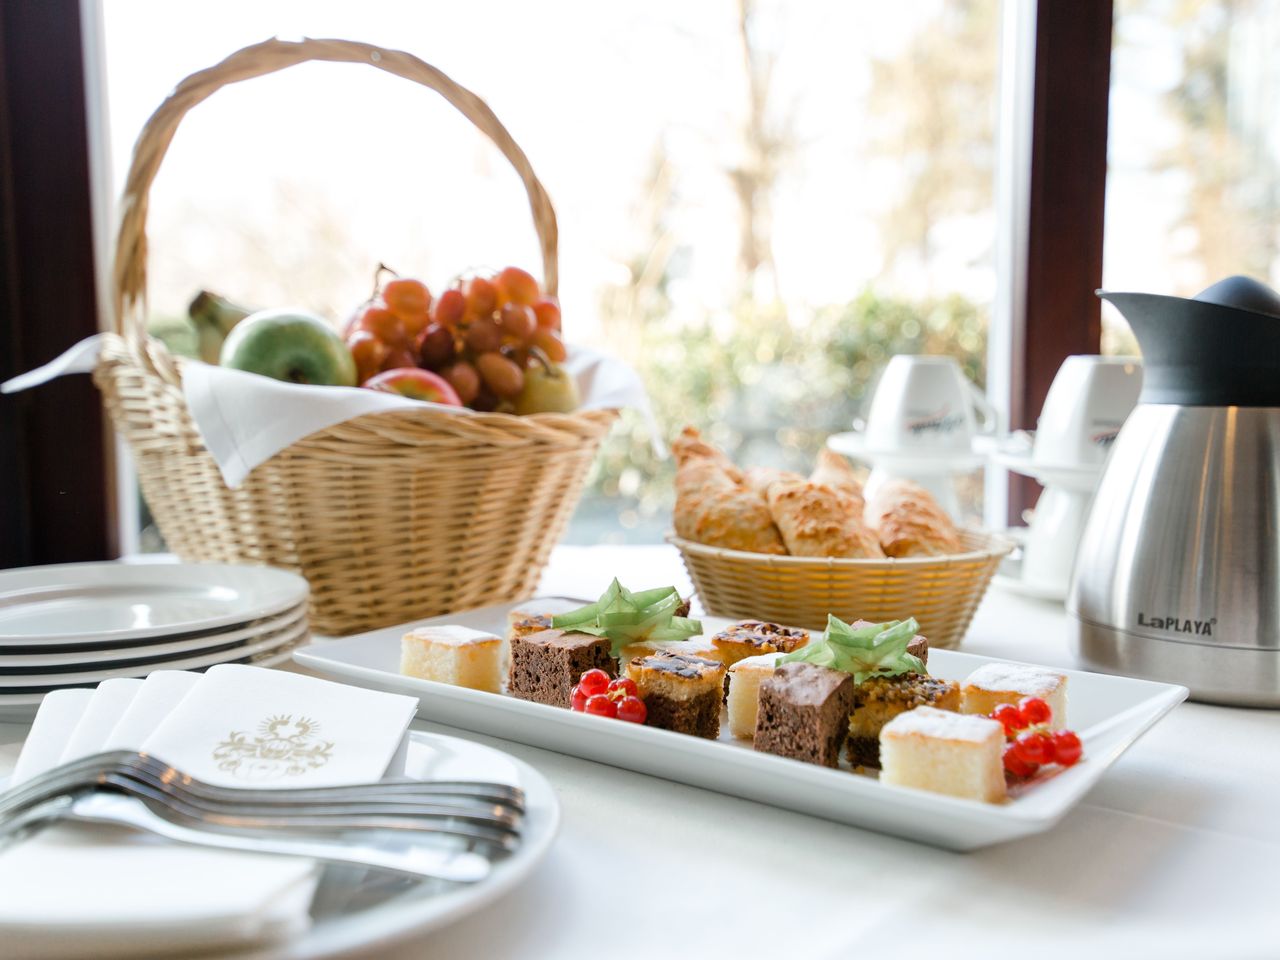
pixel 632 710
pixel 601 706
pixel 1011 717
pixel 1035 710
pixel 593 682
pixel 623 687
pixel 1067 747
pixel 579 700
pixel 1015 764
pixel 1034 747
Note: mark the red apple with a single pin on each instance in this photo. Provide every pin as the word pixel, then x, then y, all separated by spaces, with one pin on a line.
pixel 415 383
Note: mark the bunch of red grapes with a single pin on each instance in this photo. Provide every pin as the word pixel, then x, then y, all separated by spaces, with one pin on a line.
pixel 480 335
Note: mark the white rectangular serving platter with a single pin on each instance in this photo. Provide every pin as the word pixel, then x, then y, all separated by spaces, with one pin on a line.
pixel 1109 713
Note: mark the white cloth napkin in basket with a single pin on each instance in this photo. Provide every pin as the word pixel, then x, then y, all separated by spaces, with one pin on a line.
pixel 245 419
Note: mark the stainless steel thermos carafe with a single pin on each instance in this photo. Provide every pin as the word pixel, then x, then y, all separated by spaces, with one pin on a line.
pixel 1178 573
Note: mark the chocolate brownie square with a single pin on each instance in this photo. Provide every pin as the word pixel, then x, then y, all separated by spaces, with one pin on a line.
pixel 681 692
pixel 804 713
pixel 546 665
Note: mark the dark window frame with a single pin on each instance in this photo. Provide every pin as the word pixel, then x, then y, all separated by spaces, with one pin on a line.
pixel 57 496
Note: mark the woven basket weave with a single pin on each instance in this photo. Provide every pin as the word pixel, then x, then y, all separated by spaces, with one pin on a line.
pixel 942 593
pixel 391 517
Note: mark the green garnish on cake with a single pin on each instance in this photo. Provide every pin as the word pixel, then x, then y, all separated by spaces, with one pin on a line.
pixel 625 617
pixel 876 650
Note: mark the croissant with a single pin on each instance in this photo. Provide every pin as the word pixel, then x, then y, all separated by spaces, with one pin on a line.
pixel 817 521
pixel 690 446
pixel 834 471
pixel 909 521
pixel 760 479
pixel 713 504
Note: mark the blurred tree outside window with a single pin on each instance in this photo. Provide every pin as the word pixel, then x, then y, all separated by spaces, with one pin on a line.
pixel 760 202
pixel 1193 189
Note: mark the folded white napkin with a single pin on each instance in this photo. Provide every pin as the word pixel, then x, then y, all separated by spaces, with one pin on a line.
pixel 245 419
pixel 157 696
pixel 60 711
pixel 249 727
pixel 77 891
pixel 104 710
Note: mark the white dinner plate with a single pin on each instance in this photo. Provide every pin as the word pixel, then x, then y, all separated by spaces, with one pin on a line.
pixel 100 657
pixel 1109 713
pixel 19 706
pixel 360 910
pixel 12 683
pixel 114 603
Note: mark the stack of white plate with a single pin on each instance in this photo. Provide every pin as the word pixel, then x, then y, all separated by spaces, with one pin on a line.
pixel 77 624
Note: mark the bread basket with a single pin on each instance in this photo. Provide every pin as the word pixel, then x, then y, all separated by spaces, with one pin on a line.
pixel 391 517
pixel 942 593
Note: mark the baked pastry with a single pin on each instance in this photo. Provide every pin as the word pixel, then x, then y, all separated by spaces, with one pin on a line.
pixel 751 637
pixel 909 522
pixel 804 713
pixel 527 616
pixel 714 504
pixel 694 646
pixel 877 700
pixel 546 665
pixel 815 521
pixel 834 471
pixel 451 654
pixel 943 752
pixel 995 683
pixel 680 692
pixel 760 479
pixel 690 446
pixel 533 616
pixel 745 677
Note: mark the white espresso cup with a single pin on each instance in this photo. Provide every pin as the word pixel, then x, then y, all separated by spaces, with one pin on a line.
pixel 924 406
pixel 1089 400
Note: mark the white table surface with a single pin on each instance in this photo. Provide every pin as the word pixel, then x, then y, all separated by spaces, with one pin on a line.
pixel 1176 853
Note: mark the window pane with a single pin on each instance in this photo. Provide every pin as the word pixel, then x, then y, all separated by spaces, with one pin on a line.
pixel 1193 188
pixel 759 202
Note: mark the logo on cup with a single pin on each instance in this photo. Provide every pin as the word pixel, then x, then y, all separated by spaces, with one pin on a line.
pixel 943 421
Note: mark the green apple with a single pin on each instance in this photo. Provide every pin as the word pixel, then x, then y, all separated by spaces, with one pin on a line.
pixel 289 345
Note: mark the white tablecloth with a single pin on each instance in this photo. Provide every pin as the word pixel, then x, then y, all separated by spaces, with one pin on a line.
pixel 1175 854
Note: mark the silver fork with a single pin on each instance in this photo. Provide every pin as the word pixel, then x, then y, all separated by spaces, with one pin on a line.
pixel 493 824
pixel 399 807
pixel 87 769
pixel 400 855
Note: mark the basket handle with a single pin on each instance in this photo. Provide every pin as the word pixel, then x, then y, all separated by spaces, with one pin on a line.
pixel 130 271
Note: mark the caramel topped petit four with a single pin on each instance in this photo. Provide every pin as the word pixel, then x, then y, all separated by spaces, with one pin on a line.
pixel 681 692
pixel 752 637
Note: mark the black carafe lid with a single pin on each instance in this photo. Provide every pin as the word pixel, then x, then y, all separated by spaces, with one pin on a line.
pixel 1220 349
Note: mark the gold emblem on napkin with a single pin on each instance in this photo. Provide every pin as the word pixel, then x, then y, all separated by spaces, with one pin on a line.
pixel 284 747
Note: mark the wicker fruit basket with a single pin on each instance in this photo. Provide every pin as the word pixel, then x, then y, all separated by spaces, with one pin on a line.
pixel 391 517
pixel 942 593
